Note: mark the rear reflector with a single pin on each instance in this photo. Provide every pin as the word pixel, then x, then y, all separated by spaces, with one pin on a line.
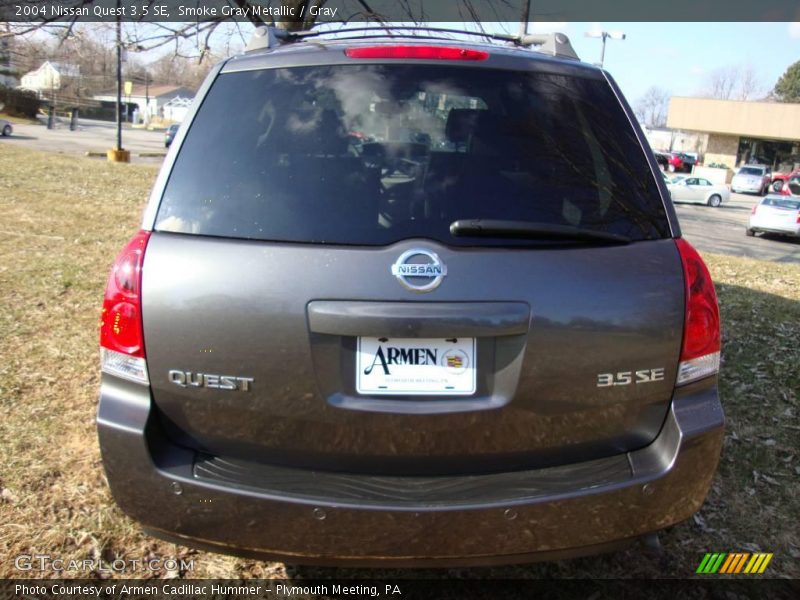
pixel 701 332
pixel 122 365
pixel 121 338
pixel 697 368
pixel 419 52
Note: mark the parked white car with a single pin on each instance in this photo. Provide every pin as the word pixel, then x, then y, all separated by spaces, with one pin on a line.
pixel 754 179
pixel 5 128
pixel 776 214
pixel 698 190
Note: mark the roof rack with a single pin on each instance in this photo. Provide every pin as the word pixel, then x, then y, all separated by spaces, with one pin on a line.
pixel 555 44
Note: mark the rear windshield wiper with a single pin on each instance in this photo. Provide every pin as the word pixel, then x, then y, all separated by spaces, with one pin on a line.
pixel 530 230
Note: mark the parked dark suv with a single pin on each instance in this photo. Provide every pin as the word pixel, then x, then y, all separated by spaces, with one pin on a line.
pixel 426 303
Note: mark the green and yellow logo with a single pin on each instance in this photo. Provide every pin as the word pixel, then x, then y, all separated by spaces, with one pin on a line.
pixel 734 562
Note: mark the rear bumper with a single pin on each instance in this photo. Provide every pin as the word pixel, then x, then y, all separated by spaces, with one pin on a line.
pixel 772 227
pixel 322 518
pixel 751 188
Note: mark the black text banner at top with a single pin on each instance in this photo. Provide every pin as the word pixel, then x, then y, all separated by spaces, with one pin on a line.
pixel 416 11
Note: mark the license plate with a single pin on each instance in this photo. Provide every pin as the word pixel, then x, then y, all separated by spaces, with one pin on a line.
pixel 413 366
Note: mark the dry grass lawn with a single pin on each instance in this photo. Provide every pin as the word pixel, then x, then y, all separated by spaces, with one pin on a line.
pixel 62 220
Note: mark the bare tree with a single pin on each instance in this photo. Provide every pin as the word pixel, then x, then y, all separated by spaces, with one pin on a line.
pixel 750 84
pixel 28 53
pixel 178 70
pixel 651 108
pixel 302 14
pixel 206 41
pixel 721 83
pixel 194 38
pixel 734 82
pixel 84 49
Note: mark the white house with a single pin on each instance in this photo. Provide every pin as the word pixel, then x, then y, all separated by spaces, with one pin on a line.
pixel 49 77
pixel 176 109
pixel 148 101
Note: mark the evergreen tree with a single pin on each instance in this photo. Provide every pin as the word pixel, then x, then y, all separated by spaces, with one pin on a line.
pixel 788 87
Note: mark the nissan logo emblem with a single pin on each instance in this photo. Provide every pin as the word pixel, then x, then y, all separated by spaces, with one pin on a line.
pixel 419 270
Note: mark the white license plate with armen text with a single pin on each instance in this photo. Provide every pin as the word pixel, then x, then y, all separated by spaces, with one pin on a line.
pixel 412 366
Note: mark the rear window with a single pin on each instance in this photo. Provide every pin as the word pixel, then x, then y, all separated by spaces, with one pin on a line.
pixel 374 154
pixel 751 171
pixel 781 203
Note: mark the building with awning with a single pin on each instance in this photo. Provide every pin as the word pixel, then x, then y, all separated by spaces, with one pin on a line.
pixel 741 132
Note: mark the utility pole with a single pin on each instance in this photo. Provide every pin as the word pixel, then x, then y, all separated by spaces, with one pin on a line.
pixel 119 82
pixel 147 98
pixel 118 154
pixel 523 24
pixel 604 35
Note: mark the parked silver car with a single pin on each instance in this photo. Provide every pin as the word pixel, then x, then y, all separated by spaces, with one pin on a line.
pixel 5 128
pixel 754 179
pixel 698 190
pixel 776 214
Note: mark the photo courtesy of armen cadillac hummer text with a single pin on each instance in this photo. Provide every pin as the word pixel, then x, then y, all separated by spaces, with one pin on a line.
pixel 427 303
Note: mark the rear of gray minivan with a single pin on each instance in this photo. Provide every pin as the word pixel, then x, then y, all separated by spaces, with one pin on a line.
pixel 411 307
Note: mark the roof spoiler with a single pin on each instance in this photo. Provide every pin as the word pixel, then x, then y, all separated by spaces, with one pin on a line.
pixel 554 44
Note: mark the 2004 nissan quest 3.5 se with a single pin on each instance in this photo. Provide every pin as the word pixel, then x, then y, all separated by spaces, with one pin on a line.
pixel 409 301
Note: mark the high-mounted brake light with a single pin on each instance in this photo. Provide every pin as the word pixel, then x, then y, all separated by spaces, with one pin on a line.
pixel 121 337
pixel 701 332
pixel 420 52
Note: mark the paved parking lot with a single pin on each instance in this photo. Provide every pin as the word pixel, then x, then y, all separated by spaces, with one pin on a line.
pixel 719 230
pixel 722 230
pixel 90 136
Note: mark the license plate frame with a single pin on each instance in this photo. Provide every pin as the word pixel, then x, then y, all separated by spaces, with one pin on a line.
pixel 416 366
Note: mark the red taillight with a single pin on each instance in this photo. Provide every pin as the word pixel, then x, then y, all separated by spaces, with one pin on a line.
pixel 420 52
pixel 755 208
pixel 121 321
pixel 701 333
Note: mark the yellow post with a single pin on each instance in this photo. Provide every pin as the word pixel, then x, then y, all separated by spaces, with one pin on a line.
pixel 120 155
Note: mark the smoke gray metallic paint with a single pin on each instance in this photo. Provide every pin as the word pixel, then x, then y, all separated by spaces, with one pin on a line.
pixel 254 307
pixel 540 463
pixel 537 514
